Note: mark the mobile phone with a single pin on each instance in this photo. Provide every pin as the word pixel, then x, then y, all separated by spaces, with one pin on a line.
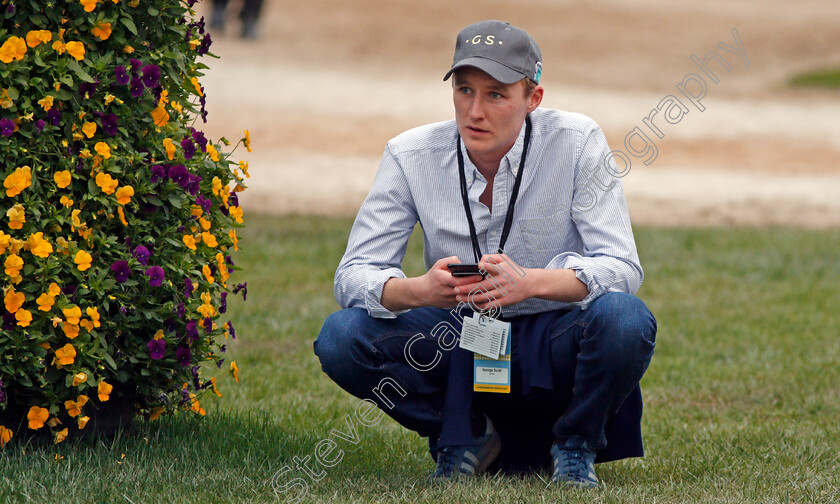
pixel 464 269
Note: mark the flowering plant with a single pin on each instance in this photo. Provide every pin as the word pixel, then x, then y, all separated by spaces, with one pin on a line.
pixel 117 216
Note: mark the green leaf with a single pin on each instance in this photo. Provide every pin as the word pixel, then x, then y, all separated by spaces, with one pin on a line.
pixel 110 361
pixel 66 79
pixel 174 201
pixel 74 65
pixel 129 25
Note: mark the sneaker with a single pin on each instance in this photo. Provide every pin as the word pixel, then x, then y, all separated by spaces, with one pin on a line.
pixel 468 461
pixel 574 463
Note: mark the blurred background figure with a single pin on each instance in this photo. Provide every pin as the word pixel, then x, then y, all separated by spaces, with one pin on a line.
pixel 249 15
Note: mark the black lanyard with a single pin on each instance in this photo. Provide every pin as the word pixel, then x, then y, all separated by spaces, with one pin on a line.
pixel 511 204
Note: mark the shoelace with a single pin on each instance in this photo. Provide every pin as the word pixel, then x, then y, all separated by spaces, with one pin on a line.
pixel 574 462
pixel 447 458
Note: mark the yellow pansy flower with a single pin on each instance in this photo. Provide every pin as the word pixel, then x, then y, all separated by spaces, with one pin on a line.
pixel 78 379
pixel 206 270
pixel 109 98
pixel 205 224
pixel 17 181
pixel 189 241
pixel 17 216
pixel 72 314
pixel 209 240
pixel 102 30
pixel 5 435
pixel 106 182
pixel 196 85
pixel 124 194
pixel 121 214
pixel 39 246
pixel 217 186
pixel 60 48
pixel 14 48
pixel 54 289
pixel 93 313
pixel 236 213
pixel 83 421
pixel 45 302
pixel 66 355
pixel 46 103
pixel 215 390
pixel 234 239
pixel 23 317
pixel 61 435
pixel 37 417
pixel 82 260
pixel 214 154
pixel 102 149
pixel 104 391
pixel 89 5
pixel 13 265
pixel 234 369
pixel 160 116
pixel 170 148
pixel 76 49
pixel 36 37
pixel 155 413
pixel 74 216
pixel 243 166
pixel 70 330
pixel 89 129
pixel 62 179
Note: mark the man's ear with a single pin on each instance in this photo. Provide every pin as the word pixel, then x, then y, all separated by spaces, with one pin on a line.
pixel 535 99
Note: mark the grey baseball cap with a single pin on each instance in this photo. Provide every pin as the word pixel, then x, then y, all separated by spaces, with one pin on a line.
pixel 505 52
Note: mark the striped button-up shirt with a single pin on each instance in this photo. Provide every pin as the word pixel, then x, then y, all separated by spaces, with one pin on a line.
pixel 570 212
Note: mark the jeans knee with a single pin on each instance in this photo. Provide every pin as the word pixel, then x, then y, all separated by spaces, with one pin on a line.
pixel 626 320
pixel 337 344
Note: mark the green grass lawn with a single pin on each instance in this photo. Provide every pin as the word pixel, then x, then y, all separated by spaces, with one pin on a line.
pixel 742 396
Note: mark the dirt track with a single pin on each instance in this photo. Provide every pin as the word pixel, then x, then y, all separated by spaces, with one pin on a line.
pixel 328 83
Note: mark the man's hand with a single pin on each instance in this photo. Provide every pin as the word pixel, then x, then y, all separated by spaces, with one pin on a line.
pixel 435 288
pixel 507 283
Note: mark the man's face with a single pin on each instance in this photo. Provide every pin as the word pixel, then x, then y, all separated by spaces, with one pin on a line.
pixel 489 114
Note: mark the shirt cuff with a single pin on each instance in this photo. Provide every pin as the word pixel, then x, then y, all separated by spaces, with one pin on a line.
pixel 583 272
pixel 373 293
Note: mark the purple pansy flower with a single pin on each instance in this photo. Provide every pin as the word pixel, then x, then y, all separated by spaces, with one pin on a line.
pixel 205 45
pixel 199 138
pixel 142 255
pixel 204 203
pixel 194 184
pixel 208 324
pixel 121 271
pixel 169 325
pixel 188 287
pixel 135 64
pixel 9 321
pixel 151 75
pixel 180 175
pixel 109 124
pixel 157 348
pixel 192 330
pixel 136 87
pixel 234 199
pixel 156 275
pixel 39 127
pixel 2 393
pixel 7 127
pixel 54 116
pixel 223 305
pixel 242 287
pixel 189 148
pixel 183 355
pixel 88 87
pixel 181 310
pixel 231 329
pixel 158 172
pixel 121 75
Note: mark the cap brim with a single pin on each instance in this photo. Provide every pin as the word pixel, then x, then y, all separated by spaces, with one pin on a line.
pixel 496 70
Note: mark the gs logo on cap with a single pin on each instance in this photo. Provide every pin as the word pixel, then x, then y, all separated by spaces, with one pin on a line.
pixel 483 39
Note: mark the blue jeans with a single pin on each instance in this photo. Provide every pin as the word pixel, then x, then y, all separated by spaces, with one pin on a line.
pixel 597 356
